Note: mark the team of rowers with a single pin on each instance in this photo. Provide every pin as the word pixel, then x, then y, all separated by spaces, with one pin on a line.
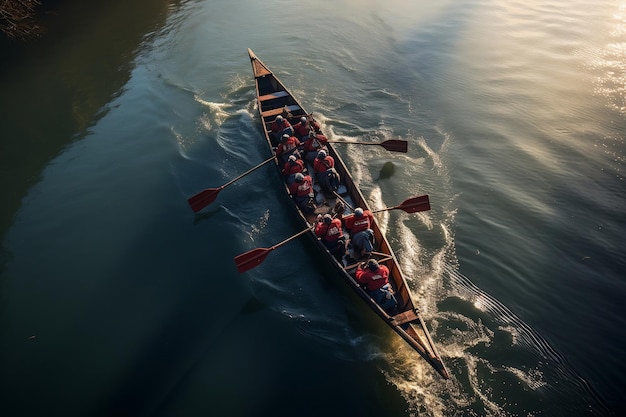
pixel 300 147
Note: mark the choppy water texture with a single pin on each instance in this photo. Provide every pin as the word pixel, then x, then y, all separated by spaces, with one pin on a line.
pixel 117 300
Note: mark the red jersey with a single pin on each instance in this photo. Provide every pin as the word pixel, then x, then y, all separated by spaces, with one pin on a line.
pixel 287 145
pixel 321 165
pixel 315 143
pixel 372 280
pixel 294 167
pixel 301 129
pixel 315 125
pixel 358 224
pixel 300 189
pixel 279 127
pixel 329 232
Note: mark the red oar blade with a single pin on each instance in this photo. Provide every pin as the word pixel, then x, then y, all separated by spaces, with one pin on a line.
pixel 415 204
pixel 395 145
pixel 203 198
pixel 251 259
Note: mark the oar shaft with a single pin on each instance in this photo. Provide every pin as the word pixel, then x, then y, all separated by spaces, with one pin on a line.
pixel 343 200
pixel 385 209
pixel 247 172
pixel 206 197
pixel 392 145
pixel 292 237
pixel 353 143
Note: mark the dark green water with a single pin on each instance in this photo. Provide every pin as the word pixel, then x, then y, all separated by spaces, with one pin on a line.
pixel 115 300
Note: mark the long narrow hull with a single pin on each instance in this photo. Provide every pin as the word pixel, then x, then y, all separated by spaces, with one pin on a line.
pixel 274 99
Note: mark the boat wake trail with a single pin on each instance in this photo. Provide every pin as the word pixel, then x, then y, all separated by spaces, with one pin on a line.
pixel 484 345
pixel 211 149
pixel 482 342
pixel 511 350
pixel 521 333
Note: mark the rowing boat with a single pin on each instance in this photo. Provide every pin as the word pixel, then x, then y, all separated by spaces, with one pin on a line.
pixel 274 99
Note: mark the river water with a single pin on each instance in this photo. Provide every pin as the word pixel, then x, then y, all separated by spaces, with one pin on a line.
pixel 116 300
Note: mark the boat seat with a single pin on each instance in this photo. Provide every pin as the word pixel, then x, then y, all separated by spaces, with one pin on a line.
pixel 276 112
pixel 404 317
pixel 277 94
pixel 385 259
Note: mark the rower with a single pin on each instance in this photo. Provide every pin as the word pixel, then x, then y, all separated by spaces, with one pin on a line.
pixel 312 145
pixel 288 146
pixel 374 278
pixel 291 168
pixel 302 192
pixel 362 236
pixel 326 174
pixel 279 127
pixel 328 229
pixel 301 129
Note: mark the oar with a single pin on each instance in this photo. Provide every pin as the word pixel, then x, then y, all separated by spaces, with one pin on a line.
pixel 343 200
pixel 393 145
pixel 207 196
pixel 255 257
pixel 411 205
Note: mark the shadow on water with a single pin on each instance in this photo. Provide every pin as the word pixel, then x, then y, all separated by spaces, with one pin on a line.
pixel 205 215
pixel 386 171
pixel 55 88
pixel 171 358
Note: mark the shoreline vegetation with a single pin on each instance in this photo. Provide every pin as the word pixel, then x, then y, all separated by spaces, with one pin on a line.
pixel 19 19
